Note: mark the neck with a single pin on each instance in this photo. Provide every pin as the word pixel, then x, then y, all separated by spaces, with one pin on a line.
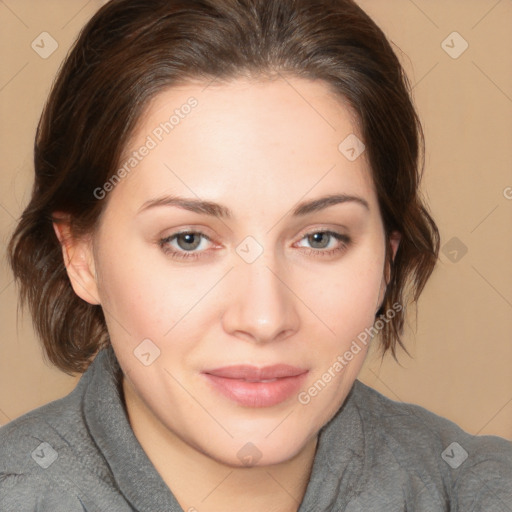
pixel 202 484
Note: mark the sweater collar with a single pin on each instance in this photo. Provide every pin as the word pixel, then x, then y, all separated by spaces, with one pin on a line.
pixel 338 473
pixel 335 477
pixel 136 477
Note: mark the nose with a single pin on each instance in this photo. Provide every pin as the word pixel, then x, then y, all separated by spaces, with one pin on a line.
pixel 262 306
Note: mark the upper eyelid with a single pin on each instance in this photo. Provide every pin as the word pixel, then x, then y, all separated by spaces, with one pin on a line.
pixel 304 234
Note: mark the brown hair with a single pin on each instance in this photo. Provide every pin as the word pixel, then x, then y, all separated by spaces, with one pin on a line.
pixel 133 49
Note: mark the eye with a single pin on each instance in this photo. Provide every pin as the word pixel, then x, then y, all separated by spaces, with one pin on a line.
pixel 186 244
pixel 322 240
pixel 183 245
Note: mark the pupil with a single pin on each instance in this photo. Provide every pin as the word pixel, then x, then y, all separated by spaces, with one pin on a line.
pixel 317 238
pixel 188 238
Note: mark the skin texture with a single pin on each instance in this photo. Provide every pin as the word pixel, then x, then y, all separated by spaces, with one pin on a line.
pixel 259 148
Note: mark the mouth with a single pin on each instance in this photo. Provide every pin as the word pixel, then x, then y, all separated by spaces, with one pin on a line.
pixel 250 386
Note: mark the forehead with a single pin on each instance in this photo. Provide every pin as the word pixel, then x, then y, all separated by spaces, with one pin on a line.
pixel 260 139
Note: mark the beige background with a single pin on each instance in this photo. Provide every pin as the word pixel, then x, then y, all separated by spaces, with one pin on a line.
pixel 461 342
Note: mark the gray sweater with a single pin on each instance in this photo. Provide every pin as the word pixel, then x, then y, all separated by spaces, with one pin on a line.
pixel 79 454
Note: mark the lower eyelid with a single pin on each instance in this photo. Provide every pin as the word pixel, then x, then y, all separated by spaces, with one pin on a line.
pixel 343 239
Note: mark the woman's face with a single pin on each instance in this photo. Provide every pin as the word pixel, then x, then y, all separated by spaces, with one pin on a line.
pixel 234 333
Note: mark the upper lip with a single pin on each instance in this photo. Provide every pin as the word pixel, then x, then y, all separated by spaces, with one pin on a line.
pixel 253 373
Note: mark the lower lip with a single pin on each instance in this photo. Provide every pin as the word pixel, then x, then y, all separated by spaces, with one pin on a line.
pixel 257 394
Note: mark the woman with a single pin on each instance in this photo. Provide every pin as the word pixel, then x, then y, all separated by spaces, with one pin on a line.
pixel 226 212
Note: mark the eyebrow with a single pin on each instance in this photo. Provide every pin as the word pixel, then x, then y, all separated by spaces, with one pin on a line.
pixel 220 211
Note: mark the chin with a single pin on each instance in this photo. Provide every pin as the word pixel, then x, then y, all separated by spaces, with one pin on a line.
pixel 260 452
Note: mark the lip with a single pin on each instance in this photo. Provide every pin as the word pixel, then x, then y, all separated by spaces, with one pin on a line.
pixel 251 386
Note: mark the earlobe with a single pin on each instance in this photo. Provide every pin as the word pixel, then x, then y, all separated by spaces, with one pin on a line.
pixel 78 260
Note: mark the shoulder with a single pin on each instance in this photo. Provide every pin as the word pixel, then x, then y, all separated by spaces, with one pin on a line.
pixel 472 470
pixel 22 436
pixel 414 426
pixel 54 421
pixel 39 456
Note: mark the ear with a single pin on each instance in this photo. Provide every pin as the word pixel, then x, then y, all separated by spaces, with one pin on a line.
pixel 394 241
pixel 78 259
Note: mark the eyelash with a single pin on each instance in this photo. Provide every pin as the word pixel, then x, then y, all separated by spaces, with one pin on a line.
pixel 183 255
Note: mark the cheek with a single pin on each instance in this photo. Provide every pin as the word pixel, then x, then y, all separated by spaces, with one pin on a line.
pixel 347 296
pixel 137 298
pixel 347 304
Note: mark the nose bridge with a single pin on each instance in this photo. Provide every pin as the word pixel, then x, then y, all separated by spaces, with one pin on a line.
pixel 261 306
